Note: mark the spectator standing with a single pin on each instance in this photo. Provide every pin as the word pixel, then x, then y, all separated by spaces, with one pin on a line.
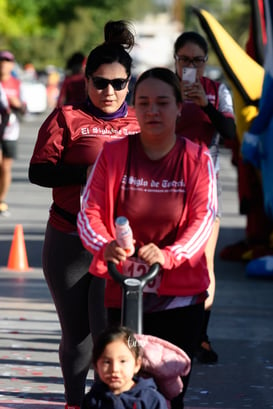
pixel 11 86
pixel 207 114
pixel 165 186
pixel 67 147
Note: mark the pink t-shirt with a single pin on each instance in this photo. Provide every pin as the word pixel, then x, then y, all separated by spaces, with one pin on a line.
pixel 152 195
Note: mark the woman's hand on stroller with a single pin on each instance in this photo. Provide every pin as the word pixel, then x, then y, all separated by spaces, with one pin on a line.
pixel 113 252
pixel 151 254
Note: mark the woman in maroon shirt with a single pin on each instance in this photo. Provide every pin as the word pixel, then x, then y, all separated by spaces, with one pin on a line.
pixel 67 146
pixel 207 114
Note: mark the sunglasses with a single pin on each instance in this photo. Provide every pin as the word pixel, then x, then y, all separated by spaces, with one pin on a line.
pixel 186 61
pixel 118 83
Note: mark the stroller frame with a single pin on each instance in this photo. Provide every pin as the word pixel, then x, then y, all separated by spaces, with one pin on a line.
pixel 132 295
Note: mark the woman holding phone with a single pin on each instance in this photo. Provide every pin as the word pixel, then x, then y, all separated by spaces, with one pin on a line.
pixel 207 115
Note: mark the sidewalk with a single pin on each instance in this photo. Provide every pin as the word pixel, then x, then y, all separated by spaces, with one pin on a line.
pixel 241 328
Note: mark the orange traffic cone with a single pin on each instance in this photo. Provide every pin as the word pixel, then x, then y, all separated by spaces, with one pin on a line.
pixel 18 255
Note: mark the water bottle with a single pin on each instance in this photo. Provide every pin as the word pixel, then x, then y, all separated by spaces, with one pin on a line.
pixel 124 235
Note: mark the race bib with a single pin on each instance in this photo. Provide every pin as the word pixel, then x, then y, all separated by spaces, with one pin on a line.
pixel 134 267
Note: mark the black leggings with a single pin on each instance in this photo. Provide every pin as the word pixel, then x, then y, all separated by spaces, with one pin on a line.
pixel 180 326
pixel 79 301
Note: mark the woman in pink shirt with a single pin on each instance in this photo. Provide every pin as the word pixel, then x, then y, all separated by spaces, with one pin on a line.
pixel 11 88
pixel 165 185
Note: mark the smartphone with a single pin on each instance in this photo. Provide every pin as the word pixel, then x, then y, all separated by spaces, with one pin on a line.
pixel 189 74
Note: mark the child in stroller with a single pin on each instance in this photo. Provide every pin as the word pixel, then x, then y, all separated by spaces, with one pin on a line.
pixel 118 355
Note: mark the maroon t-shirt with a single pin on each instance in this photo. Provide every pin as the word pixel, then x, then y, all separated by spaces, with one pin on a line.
pixel 73 136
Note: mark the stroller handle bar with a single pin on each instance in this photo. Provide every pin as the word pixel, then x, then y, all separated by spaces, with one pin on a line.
pixel 142 280
pixel 132 294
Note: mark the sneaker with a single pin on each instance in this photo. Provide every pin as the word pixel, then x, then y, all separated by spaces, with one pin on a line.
pixel 4 209
pixel 260 267
pixel 205 354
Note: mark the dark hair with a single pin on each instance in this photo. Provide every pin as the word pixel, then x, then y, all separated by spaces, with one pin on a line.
pixel 190 37
pixel 162 74
pixel 118 37
pixel 75 62
pixel 112 334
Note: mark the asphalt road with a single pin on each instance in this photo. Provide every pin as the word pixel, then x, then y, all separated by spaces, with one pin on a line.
pixel 241 326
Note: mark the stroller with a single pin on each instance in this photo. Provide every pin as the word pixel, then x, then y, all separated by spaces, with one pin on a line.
pixel 162 361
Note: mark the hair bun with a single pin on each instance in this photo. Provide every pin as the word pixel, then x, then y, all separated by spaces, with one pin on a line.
pixel 119 32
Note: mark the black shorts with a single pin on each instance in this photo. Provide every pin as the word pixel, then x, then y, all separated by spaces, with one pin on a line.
pixel 9 149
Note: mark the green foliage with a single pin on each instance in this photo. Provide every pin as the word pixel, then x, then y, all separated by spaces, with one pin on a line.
pixel 49 31
pixel 234 19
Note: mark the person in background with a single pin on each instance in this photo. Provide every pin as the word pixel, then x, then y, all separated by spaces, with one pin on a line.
pixel 67 147
pixel 52 87
pixel 4 117
pixel 73 88
pixel 207 114
pixel 4 112
pixel 165 186
pixel 11 86
pixel 117 360
pixel 30 73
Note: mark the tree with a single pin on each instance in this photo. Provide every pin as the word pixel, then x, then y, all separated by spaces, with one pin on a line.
pixel 48 31
pixel 234 17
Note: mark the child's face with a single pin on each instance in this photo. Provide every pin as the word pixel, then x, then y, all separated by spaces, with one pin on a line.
pixel 117 366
